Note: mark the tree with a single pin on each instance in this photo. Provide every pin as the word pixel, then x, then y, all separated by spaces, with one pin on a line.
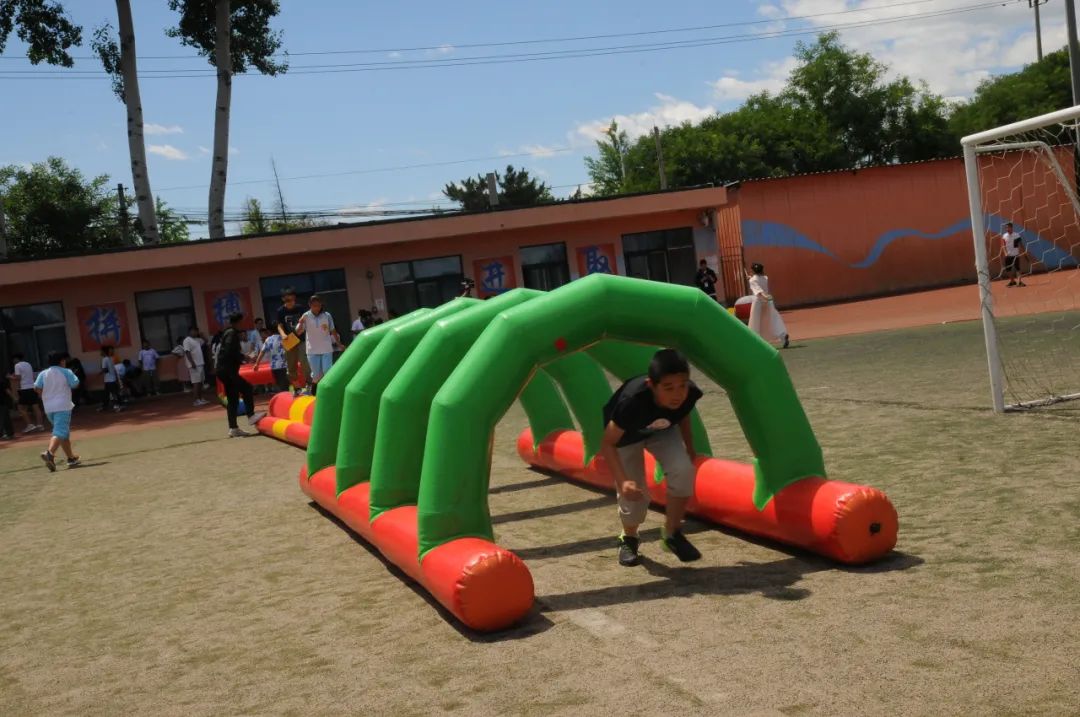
pixel 119 60
pixel 52 209
pixel 515 188
pixel 1039 88
pixel 255 222
pixel 174 228
pixel 43 26
pixel 231 36
pixel 838 110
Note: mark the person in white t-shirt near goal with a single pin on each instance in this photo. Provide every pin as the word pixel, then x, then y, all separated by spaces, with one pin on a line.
pixel 1012 248
pixel 321 336
pixel 29 402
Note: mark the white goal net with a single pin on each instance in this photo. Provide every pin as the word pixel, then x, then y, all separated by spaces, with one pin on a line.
pixel 1025 217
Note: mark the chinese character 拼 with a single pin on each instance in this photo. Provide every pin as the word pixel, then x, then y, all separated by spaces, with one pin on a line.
pixel 103 326
pixel 596 262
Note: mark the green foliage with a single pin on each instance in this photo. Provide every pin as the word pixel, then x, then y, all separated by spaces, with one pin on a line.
pixel 838 110
pixel 43 26
pixel 52 209
pixel 1039 88
pixel 515 189
pixel 172 226
pixel 107 48
pixel 258 221
pixel 252 43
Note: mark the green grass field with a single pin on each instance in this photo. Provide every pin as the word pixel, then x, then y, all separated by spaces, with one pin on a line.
pixel 182 573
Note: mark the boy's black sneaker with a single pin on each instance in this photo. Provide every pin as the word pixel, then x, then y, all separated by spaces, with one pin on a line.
pixel 683 548
pixel 50 461
pixel 628 550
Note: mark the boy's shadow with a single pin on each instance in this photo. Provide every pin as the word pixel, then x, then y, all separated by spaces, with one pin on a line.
pixel 774 580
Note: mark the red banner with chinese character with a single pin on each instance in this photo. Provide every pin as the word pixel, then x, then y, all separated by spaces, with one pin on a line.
pixel 494 276
pixel 596 259
pixel 103 325
pixel 219 304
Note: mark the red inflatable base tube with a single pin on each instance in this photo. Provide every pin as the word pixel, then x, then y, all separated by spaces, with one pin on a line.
pixel 289 418
pixel 484 586
pixel 849 523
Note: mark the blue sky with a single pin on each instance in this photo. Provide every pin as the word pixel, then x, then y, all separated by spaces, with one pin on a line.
pixel 550 111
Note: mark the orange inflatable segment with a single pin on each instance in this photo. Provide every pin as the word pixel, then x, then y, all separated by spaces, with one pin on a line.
pixel 483 585
pixel 849 523
pixel 289 418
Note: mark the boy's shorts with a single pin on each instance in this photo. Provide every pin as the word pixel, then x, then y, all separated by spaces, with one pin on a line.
pixel 29 397
pixel 320 364
pixel 668 448
pixel 61 423
pixel 198 374
pixel 281 378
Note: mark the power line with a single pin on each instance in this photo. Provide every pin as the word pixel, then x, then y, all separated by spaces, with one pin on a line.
pixel 512 58
pixel 375 170
pixel 578 38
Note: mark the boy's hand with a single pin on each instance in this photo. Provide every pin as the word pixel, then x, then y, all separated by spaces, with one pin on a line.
pixel 631 491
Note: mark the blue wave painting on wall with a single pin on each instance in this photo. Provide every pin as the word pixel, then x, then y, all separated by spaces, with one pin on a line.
pixel 778 235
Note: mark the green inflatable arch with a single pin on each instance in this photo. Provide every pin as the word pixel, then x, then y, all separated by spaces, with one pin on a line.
pixel 457 454
pixel 413 403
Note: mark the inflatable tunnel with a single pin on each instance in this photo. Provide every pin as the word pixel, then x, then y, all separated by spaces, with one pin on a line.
pixel 402 431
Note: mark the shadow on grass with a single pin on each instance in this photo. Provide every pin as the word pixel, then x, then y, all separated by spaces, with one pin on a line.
pixel 527 485
pixel 551 510
pixel 533 623
pixel 773 580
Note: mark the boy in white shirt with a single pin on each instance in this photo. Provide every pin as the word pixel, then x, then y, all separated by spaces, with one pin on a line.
pixel 54 385
pixel 764 318
pixel 317 326
pixel 1012 248
pixel 110 378
pixel 28 398
pixel 196 363
pixel 148 358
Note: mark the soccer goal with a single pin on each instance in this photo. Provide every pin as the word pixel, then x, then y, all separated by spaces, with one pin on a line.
pixel 1025 175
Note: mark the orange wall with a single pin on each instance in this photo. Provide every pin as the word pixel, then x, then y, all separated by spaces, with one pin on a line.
pixel 241 272
pixel 844 235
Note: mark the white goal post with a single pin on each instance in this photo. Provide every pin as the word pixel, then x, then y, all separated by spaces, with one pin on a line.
pixel 1028 170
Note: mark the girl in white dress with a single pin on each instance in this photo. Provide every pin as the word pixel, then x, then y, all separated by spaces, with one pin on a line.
pixel 764 318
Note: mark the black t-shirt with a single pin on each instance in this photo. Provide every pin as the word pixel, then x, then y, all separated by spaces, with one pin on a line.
pixel 706 281
pixel 633 409
pixel 288 318
pixel 230 355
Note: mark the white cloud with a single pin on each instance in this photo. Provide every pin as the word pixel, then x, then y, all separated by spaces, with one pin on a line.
pixel 774 76
pixel 536 151
pixel 234 150
pixel 952 53
pixel 375 205
pixel 443 50
pixel 151 128
pixel 167 151
pixel 394 55
pixel 670 111
pixel 203 150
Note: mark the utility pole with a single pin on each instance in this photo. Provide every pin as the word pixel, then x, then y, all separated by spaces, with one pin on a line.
pixel 1038 26
pixel 493 189
pixel 660 157
pixel 280 196
pixel 3 230
pixel 122 214
pixel 1074 50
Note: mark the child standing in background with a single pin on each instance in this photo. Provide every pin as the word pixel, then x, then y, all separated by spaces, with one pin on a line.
pixel 765 320
pixel 148 358
pixel 317 326
pixel 111 381
pixel 54 385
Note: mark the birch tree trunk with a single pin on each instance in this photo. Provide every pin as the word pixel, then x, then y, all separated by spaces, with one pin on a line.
pixel 140 177
pixel 220 168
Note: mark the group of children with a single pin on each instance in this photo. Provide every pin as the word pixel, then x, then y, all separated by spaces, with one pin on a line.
pixel 295 365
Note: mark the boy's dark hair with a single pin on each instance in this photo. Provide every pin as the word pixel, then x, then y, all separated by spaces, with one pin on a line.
pixel 666 362
pixel 192 328
pixel 106 350
pixel 314 297
pixel 56 358
pixel 287 291
pixel 126 362
pixel 236 317
pixel 703 263
pixel 757 268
